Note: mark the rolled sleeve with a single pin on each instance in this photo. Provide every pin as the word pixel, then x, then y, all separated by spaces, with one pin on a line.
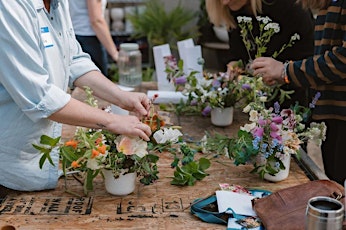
pixel 52 101
pixel 81 62
pixel 79 67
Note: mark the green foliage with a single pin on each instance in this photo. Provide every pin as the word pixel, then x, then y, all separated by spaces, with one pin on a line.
pixel 189 173
pixel 113 73
pixel 160 26
pixel 51 143
pixel 187 169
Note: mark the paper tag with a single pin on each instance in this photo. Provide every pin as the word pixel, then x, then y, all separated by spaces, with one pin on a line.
pixel 46 37
pixel 239 203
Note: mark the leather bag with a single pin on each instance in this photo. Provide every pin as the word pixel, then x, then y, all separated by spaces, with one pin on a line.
pixel 285 209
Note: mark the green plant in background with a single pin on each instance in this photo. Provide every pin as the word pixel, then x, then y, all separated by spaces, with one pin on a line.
pixel 147 73
pixel 160 26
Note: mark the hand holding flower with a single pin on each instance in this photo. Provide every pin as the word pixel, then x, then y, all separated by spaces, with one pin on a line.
pixel 269 69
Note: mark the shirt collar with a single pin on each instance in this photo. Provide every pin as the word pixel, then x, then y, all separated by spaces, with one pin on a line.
pixel 39 4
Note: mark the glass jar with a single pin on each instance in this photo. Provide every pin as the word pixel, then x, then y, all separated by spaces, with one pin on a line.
pixel 130 65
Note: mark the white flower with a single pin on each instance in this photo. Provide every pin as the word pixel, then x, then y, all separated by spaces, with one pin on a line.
pixel 247 109
pixel 96 163
pixel 265 20
pixel 248 127
pixel 295 37
pixel 253 115
pixel 244 19
pixel 274 26
pixel 165 135
pixel 263 98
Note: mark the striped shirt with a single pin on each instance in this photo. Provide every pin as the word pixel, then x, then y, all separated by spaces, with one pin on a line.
pixel 325 72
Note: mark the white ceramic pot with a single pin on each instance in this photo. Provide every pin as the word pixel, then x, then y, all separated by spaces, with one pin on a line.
pixel 282 174
pixel 222 116
pixel 121 186
pixel 117 14
pixel 118 26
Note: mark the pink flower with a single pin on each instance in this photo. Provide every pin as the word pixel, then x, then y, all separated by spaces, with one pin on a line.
pixel 131 145
pixel 262 122
pixel 274 127
pixel 258 132
pixel 277 119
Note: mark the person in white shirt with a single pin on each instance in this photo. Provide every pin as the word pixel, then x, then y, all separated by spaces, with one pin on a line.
pixel 40 57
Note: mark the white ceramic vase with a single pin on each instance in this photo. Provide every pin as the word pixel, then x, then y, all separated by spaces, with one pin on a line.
pixel 121 186
pixel 282 174
pixel 222 116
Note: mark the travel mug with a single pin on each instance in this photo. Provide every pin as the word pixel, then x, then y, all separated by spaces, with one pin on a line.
pixel 324 213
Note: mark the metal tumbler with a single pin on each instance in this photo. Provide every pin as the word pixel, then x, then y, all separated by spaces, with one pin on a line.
pixel 324 213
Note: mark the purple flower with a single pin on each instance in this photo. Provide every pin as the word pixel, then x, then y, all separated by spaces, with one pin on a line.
pixel 180 80
pixel 193 102
pixel 216 83
pixel 276 107
pixel 246 87
pixel 206 110
pixel 313 103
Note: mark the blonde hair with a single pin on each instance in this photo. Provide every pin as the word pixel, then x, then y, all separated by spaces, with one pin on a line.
pixel 314 4
pixel 220 15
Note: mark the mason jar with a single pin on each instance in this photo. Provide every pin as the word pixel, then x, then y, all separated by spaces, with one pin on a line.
pixel 130 65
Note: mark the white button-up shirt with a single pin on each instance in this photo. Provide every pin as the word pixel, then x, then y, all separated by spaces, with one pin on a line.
pixel 39 59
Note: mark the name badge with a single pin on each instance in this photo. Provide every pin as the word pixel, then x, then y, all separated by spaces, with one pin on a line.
pixel 46 37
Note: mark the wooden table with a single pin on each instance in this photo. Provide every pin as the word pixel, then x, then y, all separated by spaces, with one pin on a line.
pixel 157 206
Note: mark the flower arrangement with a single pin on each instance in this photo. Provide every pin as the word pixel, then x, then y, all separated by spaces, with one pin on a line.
pixel 91 151
pixel 220 90
pixel 258 43
pixel 212 90
pixel 271 135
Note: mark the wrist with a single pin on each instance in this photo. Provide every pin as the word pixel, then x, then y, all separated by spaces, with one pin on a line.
pixel 284 75
pixel 115 56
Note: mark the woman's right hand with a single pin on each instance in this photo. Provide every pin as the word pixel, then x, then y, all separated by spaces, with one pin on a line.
pixel 129 125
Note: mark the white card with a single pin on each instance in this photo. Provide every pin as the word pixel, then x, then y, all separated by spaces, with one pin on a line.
pixel 160 52
pixel 239 203
pixel 191 55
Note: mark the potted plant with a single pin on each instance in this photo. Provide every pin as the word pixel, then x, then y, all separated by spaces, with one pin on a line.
pixel 216 93
pixel 95 151
pixel 270 138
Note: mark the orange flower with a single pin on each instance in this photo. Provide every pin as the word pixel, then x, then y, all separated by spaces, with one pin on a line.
pixel 155 122
pixel 72 143
pixel 102 149
pixel 75 164
pixel 98 140
pixel 94 153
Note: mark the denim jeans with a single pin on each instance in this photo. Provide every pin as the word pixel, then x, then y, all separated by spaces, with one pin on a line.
pixel 92 46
